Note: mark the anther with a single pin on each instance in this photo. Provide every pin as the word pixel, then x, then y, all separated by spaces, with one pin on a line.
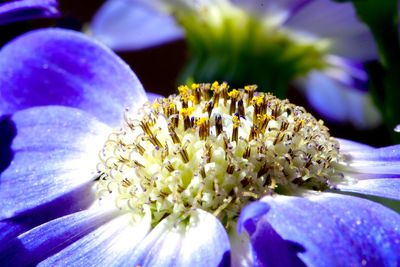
pixel 298 126
pixel 139 148
pixel 246 181
pixel 234 96
pixel 247 151
pixel 277 111
pixel 218 124
pixel 205 88
pixel 263 170
pixel 209 107
pixel 208 152
pixel 138 164
pixel 169 167
pixel 173 134
pixel 215 100
pixel 204 127
pixel 174 120
pixel 230 169
pixel 145 127
pixel 126 182
pixel 197 93
pixel 279 137
pixel 284 126
pixel 241 108
pixel 184 154
pixel 250 92
pixel 253 133
pixel 235 130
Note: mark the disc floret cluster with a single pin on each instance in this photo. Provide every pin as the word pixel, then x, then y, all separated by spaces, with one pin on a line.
pixel 214 149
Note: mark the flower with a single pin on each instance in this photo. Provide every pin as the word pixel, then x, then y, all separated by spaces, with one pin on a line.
pixel 18 10
pixel 317 45
pixel 170 182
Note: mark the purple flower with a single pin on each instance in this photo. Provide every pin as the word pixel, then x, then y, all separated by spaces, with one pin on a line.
pixel 317 45
pixel 96 175
pixel 17 10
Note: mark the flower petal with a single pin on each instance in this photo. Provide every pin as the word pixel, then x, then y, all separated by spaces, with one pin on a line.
pixel 337 21
pixel 133 25
pixel 335 102
pixel 279 11
pixel 180 244
pixel 36 245
pixel 76 200
pixel 63 67
pixel 348 146
pixel 109 245
pixel 350 73
pixel 55 152
pixel 271 251
pixel 241 252
pixel 389 153
pixel 366 162
pixel 387 188
pixel 375 162
pixel 27 9
pixel 332 229
pixel 153 96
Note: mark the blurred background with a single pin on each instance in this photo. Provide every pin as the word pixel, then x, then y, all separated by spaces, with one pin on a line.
pixel 160 67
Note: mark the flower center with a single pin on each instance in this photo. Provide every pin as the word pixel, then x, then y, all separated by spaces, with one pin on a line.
pixel 216 150
pixel 227 43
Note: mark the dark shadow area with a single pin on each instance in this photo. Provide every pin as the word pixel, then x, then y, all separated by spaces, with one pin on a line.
pixel 158 67
pixel 226 260
pixel 269 248
pixel 272 250
pixel 8 131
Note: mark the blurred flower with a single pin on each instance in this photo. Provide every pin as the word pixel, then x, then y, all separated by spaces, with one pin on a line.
pixel 176 178
pixel 12 11
pixel 318 45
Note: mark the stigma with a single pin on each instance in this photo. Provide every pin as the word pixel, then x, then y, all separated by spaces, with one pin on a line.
pixel 215 149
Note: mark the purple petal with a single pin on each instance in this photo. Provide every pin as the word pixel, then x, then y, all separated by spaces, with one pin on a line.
pixel 55 152
pixel 48 239
pixel 13 11
pixel 250 217
pixel 338 103
pixel 348 146
pixel 387 188
pixel 389 153
pixel 109 245
pixel 241 252
pixel 281 10
pixel 153 96
pixel 273 251
pixel 328 230
pixel 171 243
pixel 367 162
pixel 337 21
pixel 74 201
pixel 348 72
pixel 356 47
pixel 133 25
pixel 375 162
pixel 62 67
